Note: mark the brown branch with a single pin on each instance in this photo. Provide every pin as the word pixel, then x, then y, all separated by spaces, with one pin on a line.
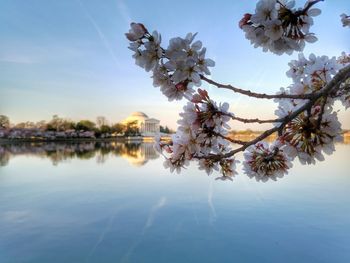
pixel 230 139
pixel 323 106
pixel 257 95
pixel 308 6
pixel 244 120
pixel 256 120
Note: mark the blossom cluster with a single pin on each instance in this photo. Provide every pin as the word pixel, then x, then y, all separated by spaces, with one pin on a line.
pixel 278 27
pixel 310 134
pixel 264 161
pixel 175 69
pixel 315 131
pixel 201 133
pixel 311 74
pixel 344 59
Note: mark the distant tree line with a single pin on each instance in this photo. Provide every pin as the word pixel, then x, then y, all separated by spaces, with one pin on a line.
pixel 4 122
pixel 165 129
pixel 100 128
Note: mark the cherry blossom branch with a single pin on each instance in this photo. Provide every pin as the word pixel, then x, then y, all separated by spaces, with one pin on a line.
pixel 339 78
pixel 306 123
pixel 257 95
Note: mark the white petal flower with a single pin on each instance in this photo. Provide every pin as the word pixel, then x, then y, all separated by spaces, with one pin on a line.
pixel 313 73
pixel 277 27
pixel 208 166
pixel 203 63
pixel 273 29
pixel 314 12
pixel 310 38
pixel 176 92
pixel 228 167
pixel 265 10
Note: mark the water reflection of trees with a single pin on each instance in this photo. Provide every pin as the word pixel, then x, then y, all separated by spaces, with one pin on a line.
pixel 136 153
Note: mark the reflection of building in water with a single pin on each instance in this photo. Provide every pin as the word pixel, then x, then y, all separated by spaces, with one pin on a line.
pixel 147 126
pixel 138 154
pixel 347 137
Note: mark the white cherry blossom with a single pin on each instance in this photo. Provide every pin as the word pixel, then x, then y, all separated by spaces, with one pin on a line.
pixel 264 162
pixel 273 29
pixel 208 165
pixel 308 137
pixel 175 69
pixel 265 11
pixel 278 27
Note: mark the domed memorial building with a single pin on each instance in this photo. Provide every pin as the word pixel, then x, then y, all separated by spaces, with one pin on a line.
pixel 147 126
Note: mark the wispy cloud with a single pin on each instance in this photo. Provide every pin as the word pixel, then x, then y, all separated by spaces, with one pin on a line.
pixel 124 12
pixel 29 53
pixel 17 59
pixel 100 33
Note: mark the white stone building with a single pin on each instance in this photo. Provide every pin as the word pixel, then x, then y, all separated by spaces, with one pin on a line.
pixel 147 126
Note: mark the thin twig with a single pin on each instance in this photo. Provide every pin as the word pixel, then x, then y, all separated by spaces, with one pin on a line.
pixel 256 120
pixel 244 120
pixel 257 95
pixel 308 6
pixel 230 139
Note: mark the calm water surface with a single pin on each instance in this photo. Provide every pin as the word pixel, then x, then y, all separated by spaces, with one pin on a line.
pixel 114 202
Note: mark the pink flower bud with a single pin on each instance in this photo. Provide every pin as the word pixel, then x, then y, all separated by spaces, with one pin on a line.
pixel 244 20
pixel 196 98
pixel 168 149
pixel 136 31
pixel 203 93
pixel 316 110
pixel 181 86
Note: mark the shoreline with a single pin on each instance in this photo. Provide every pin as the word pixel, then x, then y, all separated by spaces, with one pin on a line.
pixel 115 139
pixel 244 137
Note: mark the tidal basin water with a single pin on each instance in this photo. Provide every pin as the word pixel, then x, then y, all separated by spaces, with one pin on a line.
pixel 114 202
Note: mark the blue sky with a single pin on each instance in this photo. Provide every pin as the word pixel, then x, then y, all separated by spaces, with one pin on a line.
pixel 70 57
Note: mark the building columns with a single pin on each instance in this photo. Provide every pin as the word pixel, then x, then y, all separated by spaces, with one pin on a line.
pixel 150 127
